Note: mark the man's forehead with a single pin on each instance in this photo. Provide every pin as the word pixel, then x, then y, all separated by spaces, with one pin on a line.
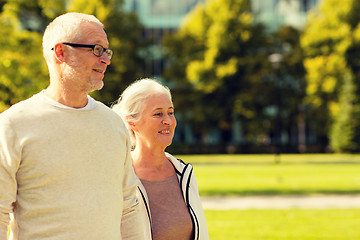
pixel 94 33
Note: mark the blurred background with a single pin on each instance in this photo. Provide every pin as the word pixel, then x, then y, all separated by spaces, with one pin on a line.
pixel 247 76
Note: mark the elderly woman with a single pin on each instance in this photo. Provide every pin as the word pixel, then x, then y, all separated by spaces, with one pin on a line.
pixel 167 189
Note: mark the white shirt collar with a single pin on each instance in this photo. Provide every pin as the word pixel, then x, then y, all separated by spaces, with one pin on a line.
pixel 90 104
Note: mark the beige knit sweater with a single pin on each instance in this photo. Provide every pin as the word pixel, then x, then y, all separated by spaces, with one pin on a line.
pixel 68 171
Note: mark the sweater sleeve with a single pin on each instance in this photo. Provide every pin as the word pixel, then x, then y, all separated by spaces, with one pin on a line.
pixel 9 163
pixel 131 226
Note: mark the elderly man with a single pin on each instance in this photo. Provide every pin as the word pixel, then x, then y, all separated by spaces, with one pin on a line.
pixel 65 168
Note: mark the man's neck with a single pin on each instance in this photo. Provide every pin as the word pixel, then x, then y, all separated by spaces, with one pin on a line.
pixel 67 97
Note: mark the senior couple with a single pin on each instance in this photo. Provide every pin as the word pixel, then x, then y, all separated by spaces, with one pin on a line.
pixel 66 168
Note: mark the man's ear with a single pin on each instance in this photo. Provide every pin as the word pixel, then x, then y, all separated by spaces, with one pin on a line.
pixel 59 52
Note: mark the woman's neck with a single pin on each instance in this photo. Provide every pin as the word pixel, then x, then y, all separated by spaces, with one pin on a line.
pixel 151 165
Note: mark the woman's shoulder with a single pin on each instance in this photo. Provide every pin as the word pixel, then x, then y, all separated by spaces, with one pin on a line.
pixel 176 161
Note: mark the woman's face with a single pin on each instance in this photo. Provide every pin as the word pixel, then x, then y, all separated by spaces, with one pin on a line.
pixel 156 125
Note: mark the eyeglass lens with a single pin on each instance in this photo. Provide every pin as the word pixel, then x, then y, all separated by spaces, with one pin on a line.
pixel 99 50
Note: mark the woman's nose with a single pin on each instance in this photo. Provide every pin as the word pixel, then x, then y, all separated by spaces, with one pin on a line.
pixel 165 122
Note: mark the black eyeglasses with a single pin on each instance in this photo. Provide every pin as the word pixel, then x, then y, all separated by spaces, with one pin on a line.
pixel 97 49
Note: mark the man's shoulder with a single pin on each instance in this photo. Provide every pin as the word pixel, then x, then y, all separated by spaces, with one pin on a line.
pixel 21 108
pixel 110 114
pixel 102 107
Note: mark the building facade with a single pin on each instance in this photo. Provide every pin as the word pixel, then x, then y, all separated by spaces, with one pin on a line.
pixel 168 14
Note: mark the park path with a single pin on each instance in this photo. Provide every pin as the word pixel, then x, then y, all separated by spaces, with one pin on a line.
pixel 281 202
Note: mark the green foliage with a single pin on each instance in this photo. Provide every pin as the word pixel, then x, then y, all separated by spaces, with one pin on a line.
pixel 331 40
pixel 126 65
pixel 342 134
pixel 226 23
pixel 219 60
pixel 24 71
pixel 284 224
pixel 124 33
pixel 216 59
pixel 350 99
pixel 286 84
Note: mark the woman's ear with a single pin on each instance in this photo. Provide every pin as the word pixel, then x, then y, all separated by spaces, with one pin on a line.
pixel 131 123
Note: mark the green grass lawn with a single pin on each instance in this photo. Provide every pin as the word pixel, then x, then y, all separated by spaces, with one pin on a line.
pixel 286 174
pixel 271 158
pixel 302 174
pixel 291 224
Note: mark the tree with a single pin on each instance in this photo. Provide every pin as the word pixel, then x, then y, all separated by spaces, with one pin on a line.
pixel 220 73
pixel 23 68
pixel 287 90
pixel 342 132
pixel 23 71
pixel 125 36
pixel 216 60
pixel 331 42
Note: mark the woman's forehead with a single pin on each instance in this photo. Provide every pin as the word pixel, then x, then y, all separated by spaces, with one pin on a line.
pixel 160 100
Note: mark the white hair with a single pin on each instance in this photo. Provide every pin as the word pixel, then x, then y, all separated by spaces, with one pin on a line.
pixel 64 28
pixel 131 103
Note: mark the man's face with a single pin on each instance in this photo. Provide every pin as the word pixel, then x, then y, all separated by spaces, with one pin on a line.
pixel 84 71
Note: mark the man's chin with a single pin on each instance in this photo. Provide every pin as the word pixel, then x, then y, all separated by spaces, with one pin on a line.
pixel 100 86
pixel 96 86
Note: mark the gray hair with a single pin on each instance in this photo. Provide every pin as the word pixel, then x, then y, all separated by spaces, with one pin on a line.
pixel 64 28
pixel 131 102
